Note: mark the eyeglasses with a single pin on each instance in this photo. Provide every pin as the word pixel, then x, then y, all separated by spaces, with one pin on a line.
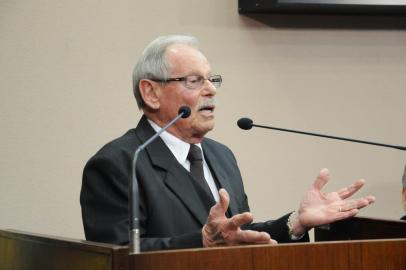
pixel 194 81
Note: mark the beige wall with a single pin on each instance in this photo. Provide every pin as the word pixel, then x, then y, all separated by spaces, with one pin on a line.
pixel 66 90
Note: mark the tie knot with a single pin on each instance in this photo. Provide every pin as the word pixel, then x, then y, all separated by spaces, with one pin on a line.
pixel 195 153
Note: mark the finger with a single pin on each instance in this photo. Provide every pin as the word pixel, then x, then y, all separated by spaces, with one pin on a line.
pixel 222 205
pixel 361 203
pixel 224 199
pixel 346 214
pixel 322 179
pixel 252 237
pixel 220 208
pixel 371 199
pixel 349 191
pixel 236 221
pixel 357 204
pixel 273 242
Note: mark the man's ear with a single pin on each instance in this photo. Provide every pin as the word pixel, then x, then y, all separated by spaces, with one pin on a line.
pixel 149 91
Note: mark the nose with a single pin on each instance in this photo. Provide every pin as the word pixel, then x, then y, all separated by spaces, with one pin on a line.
pixel 209 89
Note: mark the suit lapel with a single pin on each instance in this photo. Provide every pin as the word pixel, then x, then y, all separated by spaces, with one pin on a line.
pixel 177 178
pixel 179 181
pixel 221 176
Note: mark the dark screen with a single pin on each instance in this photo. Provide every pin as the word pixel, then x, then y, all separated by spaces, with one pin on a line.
pixel 345 2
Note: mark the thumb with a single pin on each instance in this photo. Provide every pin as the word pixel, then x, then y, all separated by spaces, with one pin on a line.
pixel 224 199
pixel 321 179
pixel 220 208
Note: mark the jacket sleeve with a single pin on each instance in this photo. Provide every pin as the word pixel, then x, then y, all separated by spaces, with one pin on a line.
pixel 277 229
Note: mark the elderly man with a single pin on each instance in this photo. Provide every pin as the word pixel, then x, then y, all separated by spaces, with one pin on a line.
pixel 191 191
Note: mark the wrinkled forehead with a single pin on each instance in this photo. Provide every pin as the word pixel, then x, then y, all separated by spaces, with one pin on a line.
pixel 183 58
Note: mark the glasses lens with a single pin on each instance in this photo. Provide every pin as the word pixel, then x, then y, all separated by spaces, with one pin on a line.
pixel 194 81
pixel 216 80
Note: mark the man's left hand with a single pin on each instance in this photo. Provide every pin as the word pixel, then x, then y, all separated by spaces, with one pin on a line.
pixel 318 208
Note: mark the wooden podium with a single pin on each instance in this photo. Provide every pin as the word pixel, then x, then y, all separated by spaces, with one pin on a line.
pixel 25 251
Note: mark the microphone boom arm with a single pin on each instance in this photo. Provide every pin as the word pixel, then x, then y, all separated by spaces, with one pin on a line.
pixel 332 137
pixel 135 242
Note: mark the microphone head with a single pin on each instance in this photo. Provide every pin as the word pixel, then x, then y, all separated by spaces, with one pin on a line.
pixel 185 111
pixel 245 123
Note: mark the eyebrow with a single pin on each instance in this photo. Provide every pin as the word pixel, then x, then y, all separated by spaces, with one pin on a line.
pixel 199 74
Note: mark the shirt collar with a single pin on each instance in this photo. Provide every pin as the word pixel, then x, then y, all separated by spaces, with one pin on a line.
pixel 179 148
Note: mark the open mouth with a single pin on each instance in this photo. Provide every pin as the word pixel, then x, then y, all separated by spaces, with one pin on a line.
pixel 207 108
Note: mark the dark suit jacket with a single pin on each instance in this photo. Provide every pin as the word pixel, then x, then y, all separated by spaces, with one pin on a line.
pixel 171 214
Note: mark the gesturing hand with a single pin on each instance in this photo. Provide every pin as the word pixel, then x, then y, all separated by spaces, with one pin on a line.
pixel 222 231
pixel 318 208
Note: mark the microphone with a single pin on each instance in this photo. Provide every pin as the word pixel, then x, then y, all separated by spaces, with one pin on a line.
pixel 184 112
pixel 247 123
pixel 244 123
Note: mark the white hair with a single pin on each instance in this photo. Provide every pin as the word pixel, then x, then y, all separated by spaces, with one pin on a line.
pixel 152 63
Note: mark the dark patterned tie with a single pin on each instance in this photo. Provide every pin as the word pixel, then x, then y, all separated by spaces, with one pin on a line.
pixel 196 168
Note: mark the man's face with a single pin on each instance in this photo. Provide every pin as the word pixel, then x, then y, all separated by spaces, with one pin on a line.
pixel 184 61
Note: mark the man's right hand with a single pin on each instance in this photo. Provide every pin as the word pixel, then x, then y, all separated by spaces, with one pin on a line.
pixel 222 231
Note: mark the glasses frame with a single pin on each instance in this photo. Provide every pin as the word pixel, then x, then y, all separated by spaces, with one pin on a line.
pixel 213 79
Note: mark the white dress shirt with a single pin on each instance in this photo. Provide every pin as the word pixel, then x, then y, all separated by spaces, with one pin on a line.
pixel 180 150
